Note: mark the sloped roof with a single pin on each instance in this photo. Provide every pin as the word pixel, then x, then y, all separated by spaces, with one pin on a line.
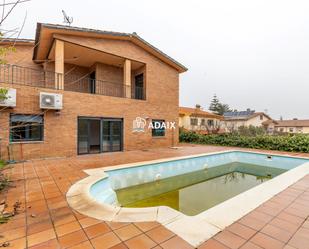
pixel 198 113
pixel 133 37
pixel 245 116
pixel 293 123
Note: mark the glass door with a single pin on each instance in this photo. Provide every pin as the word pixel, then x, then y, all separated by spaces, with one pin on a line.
pixel 97 135
pixel 83 136
pixel 111 135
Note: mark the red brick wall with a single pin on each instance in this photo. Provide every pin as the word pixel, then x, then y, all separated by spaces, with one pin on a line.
pixel 60 131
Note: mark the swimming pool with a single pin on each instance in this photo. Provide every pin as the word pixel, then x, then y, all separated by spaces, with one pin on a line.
pixel 261 176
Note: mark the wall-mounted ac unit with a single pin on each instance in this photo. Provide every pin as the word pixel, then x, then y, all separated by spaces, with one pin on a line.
pixel 10 100
pixel 50 101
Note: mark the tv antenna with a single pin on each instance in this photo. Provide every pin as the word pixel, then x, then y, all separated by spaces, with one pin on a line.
pixel 68 20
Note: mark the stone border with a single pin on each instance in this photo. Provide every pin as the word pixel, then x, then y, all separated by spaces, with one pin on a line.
pixel 188 228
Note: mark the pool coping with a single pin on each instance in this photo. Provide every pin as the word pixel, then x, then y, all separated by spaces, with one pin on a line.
pixel 188 228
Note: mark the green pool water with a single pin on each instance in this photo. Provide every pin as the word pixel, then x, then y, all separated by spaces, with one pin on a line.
pixel 197 191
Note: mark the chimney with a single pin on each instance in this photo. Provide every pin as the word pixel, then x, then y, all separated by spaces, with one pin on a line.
pixel 295 118
pixel 197 106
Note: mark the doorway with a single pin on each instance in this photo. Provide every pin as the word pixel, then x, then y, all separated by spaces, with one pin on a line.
pixel 97 135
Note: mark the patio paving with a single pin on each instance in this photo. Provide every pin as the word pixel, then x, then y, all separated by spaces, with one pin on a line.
pixel 46 221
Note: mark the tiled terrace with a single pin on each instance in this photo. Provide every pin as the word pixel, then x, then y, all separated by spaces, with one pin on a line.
pixel 46 221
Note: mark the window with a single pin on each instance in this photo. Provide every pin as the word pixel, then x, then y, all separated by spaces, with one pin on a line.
pixel 203 122
pixel 261 117
pixel 193 121
pixel 158 128
pixel 26 128
pixel 139 87
pixel 291 129
pixel 210 122
pixel 281 130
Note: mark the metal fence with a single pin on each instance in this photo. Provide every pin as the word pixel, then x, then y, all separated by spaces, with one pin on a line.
pixel 14 74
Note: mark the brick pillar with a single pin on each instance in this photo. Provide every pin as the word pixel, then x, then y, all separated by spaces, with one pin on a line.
pixel 59 65
pixel 127 77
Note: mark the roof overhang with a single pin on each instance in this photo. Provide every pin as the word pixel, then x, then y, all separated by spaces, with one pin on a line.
pixel 45 33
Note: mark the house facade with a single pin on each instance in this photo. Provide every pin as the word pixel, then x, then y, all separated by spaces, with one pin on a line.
pixel 196 119
pixel 287 126
pixel 79 91
pixel 234 120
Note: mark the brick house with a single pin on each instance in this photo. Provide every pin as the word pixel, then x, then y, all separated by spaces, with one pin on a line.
pixel 104 80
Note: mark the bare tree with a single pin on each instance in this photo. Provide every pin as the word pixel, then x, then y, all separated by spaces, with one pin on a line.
pixel 6 9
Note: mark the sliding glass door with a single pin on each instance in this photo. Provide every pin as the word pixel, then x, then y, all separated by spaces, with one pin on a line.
pixel 112 135
pixel 97 135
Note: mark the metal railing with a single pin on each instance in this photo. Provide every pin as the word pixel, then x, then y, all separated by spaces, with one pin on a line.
pixel 14 74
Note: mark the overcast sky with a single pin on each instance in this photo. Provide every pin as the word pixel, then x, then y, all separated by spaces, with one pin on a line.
pixel 252 54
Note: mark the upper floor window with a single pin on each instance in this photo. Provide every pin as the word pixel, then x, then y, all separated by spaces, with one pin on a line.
pixel 26 127
pixel 193 121
pixel 139 86
pixel 158 129
pixel 261 117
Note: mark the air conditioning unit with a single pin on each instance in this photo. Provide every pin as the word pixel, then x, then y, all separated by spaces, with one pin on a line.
pixel 50 101
pixel 10 100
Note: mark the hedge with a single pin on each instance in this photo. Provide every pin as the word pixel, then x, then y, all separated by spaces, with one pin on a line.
pixel 293 143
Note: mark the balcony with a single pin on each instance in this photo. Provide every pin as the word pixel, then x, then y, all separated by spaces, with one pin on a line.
pixel 18 75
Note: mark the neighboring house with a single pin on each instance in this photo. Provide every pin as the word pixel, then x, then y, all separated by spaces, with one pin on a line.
pixel 234 120
pixel 102 80
pixel 287 126
pixel 195 119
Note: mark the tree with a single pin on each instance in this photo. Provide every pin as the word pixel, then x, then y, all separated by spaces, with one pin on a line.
pixel 214 104
pixel 6 8
pixel 217 107
pixel 222 108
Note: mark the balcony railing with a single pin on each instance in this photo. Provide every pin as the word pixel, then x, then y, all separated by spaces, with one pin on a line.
pixel 13 74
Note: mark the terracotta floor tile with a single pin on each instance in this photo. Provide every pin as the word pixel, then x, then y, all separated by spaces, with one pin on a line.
pixel 146 226
pixel 116 225
pixel 38 238
pixel 284 225
pixel 229 239
pixel 105 241
pixel 252 223
pixel 212 244
pixel 277 233
pixel 68 228
pixel 51 244
pixel 63 219
pixel 39 227
pixel 300 239
pixel 83 245
pixel 250 245
pixel 290 218
pixel 300 213
pixel 88 221
pixel 266 242
pixel 260 216
pixel 17 243
pixel 12 234
pixel 141 242
pixel 96 230
pixel 120 246
pixel 241 230
pixel 72 239
pixel 289 247
pixel 127 232
pixel 176 243
pixel 160 234
pixel 306 224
